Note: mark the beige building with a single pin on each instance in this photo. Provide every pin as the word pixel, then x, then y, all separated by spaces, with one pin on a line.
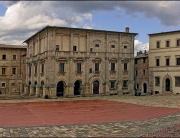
pixel 164 62
pixel 72 62
pixel 12 69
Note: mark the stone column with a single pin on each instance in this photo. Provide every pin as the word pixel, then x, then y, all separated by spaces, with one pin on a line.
pixel 31 90
pixel 37 90
pixel 52 91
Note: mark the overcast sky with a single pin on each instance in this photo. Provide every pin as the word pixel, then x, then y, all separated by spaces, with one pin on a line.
pixel 21 19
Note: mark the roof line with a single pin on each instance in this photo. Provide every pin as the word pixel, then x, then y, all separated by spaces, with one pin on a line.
pixel 74 28
pixel 165 32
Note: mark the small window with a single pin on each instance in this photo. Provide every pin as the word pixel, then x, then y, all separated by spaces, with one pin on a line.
pixel 12 84
pixel 178 42
pixel 144 60
pixel 13 70
pixel 4 57
pixel 144 72
pixel 96 45
pixel 35 69
pixel 57 47
pixel 91 49
pixel 137 86
pixel 90 70
pixel 3 84
pixel 125 66
pixel 3 71
pixel 136 73
pixel 167 43
pixel 96 66
pixel 157 62
pixel 157 81
pixel 61 67
pixel 177 81
pixel 112 46
pixel 112 84
pixel 136 61
pixel 74 48
pixel 78 67
pixel 42 68
pixel 125 83
pixel 125 47
pixel 29 70
pixel 158 44
pixel 112 66
pixel 167 61
pixel 14 57
pixel 177 61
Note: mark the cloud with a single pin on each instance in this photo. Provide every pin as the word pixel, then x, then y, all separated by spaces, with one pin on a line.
pixel 88 16
pixel 139 46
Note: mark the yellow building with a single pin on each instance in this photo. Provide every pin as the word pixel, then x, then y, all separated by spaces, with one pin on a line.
pixel 164 62
pixel 12 69
pixel 71 62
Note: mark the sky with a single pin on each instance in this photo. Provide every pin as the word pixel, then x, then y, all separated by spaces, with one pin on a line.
pixel 21 19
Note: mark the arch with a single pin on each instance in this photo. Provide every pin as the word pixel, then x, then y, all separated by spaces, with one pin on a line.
pixel 77 87
pixel 29 84
pixel 167 84
pixel 144 87
pixel 96 87
pixel 60 89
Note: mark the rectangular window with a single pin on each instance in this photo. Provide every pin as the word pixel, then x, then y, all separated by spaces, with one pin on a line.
pixel 14 57
pixel 96 45
pixel 144 60
pixel 29 70
pixel 74 48
pixel 13 70
pixel 158 44
pixel 144 72
pixel 78 67
pixel 3 71
pixel 125 66
pixel 178 42
pixel 177 81
pixel 157 62
pixel 112 84
pixel 125 47
pixel 112 46
pixel 12 84
pixel 61 68
pixel 135 61
pixel 96 66
pixel 124 83
pixel 57 47
pixel 137 86
pixel 35 69
pixel 136 73
pixel 3 84
pixel 177 61
pixel 167 61
pixel 157 81
pixel 112 66
pixel 4 57
pixel 167 43
pixel 90 70
pixel 91 49
pixel 42 68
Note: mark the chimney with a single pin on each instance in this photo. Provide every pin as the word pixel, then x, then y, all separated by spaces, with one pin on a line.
pixel 127 29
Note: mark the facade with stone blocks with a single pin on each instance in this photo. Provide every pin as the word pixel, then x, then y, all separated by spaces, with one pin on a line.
pixel 164 62
pixel 12 69
pixel 141 72
pixel 72 62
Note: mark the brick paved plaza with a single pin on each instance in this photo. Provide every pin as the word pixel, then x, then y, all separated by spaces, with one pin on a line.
pixel 87 118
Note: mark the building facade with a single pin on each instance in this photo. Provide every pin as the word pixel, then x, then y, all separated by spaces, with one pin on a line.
pixel 141 72
pixel 70 61
pixel 164 62
pixel 12 69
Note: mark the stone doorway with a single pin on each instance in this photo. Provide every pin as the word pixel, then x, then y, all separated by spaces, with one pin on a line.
pixel 60 89
pixel 96 87
pixel 77 88
pixel 145 88
pixel 167 84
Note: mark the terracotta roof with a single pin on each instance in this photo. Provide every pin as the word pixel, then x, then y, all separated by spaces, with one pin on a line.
pixel 12 46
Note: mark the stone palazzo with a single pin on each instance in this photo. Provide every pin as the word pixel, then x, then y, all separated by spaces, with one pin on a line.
pixel 68 62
